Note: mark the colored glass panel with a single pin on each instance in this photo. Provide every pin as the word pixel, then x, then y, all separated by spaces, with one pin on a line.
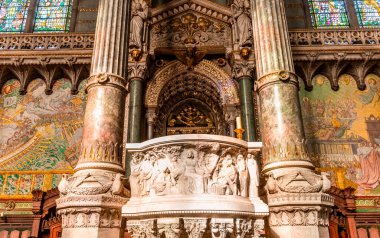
pixel 368 12
pixel 328 13
pixel 53 15
pixel 13 14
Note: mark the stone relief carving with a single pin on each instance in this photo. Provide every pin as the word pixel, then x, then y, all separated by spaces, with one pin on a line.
pixel 139 15
pixel 242 22
pixel 299 216
pixel 195 228
pixel 302 181
pixel 190 28
pixel 93 183
pixel 202 168
pixel 90 217
pixel 137 70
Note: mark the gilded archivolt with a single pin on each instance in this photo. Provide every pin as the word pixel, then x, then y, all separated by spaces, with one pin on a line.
pixel 226 86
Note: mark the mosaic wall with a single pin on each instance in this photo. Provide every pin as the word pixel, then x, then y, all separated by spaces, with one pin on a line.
pixel 343 128
pixel 39 136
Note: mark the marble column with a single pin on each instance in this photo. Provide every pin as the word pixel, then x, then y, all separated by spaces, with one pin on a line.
pixel 90 201
pixel 296 194
pixel 136 72
pixel 242 72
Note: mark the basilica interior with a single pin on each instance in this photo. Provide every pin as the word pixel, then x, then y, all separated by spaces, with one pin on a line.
pixel 189 118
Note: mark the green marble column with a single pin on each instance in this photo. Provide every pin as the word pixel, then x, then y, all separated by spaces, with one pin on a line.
pixel 246 107
pixel 135 110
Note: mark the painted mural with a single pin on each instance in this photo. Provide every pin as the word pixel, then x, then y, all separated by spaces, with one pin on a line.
pixel 343 129
pixel 40 135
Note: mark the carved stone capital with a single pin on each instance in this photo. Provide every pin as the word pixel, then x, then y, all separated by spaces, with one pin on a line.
pixel 220 227
pixel 243 227
pixel 243 68
pixel 142 228
pixel 195 227
pixel 106 79
pixel 137 70
pixel 151 116
pixel 171 227
pixel 282 76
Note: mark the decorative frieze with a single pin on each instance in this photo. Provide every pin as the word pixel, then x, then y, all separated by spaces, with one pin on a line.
pixel 195 227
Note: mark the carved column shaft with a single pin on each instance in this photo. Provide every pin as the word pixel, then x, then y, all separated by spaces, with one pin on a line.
pixel 295 192
pixel 136 72
pixel 90 201
pixel 246 105
pixel 135 108
pixel 277 84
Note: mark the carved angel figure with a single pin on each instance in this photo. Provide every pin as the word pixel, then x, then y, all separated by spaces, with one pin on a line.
pixel 226 176
pixel 243 175
pixel 240 10
pixel 139 13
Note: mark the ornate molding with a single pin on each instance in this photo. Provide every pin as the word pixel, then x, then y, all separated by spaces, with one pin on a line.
pixel 100 152
pixel 299 216
pixel 334 37
pixel 90 217
pixel 206 69
pixel 208 8
pixel 282 76
pixel 106 79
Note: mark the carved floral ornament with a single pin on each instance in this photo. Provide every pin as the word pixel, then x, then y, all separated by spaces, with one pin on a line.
pixel 190 28
pixel 226 87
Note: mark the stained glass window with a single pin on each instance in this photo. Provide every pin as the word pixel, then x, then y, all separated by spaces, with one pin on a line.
pixel 13 14
pixel 368 12
pixel 53 15
pixel 328 13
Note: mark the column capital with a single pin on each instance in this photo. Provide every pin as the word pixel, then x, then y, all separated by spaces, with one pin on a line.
pixel 276 77
pixel 243 68
pixel 106 79
pixel 137 70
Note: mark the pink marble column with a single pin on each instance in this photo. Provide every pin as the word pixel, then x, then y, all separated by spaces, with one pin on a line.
pixel 299 206
pixel 90 200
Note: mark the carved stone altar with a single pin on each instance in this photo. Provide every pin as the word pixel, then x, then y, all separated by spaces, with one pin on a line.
pixel 195 184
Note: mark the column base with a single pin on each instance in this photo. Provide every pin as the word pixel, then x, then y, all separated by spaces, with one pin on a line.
pixel 299 232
